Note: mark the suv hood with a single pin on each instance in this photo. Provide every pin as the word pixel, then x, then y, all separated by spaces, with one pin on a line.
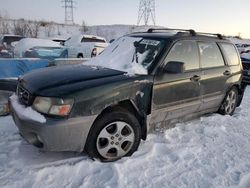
pixel 55 77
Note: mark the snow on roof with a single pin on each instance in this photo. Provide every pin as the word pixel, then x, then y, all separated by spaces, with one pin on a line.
pixel 59 37
pixel 28 43
pixel 78 38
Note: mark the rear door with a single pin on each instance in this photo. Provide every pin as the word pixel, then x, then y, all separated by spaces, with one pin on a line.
pixel 177 94
pixel 214 75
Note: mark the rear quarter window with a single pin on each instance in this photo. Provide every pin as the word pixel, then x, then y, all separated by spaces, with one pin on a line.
pixel 230 53
pixel 210 55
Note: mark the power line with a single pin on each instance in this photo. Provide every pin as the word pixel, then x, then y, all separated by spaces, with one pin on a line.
pixel 146 12
pixel 68 6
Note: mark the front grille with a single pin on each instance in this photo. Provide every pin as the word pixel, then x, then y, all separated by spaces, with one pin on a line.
pixel 246 66
pixel 24 96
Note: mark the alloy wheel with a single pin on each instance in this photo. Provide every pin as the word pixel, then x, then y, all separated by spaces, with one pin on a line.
pixel 115 140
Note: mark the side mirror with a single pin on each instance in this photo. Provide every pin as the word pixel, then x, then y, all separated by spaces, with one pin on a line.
pixel 174 67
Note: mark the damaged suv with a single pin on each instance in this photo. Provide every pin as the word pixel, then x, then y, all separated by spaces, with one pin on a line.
pixel 107 105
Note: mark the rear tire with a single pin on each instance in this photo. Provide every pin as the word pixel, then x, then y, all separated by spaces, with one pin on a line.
pixel 114 135
pixel 230 102
pixel 80 56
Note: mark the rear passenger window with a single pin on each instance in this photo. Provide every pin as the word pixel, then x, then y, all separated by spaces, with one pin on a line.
pixel 230 53
pixel 210 55
pixel 186 52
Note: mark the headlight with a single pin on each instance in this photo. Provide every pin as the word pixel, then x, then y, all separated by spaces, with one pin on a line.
pixel 53 106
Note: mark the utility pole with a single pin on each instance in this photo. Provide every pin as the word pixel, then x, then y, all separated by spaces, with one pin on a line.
pixel 146 12
pixel 68 6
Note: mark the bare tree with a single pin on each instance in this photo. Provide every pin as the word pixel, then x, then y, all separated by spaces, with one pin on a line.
pixel 49 29
pixel 58 30
pixel 21 27
pixel 4 24
pixel 84 27
pixel 34 28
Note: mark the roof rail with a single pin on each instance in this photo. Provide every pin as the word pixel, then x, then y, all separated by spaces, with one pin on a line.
pixel 191 31
pixel 212 34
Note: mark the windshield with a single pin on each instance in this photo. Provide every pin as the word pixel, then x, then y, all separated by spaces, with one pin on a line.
pixel 133 55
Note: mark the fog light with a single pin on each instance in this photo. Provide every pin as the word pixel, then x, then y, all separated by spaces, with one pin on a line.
pixel 4 109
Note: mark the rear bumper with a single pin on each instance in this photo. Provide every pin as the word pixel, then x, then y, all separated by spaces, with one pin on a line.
pixel 53 135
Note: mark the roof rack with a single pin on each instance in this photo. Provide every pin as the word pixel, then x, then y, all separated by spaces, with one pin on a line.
pixel 191 31
pixel 211 34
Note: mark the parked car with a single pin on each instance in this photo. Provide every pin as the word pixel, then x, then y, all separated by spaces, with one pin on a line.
pixel 140 81
pixel 59 39
pixel 5 54
pixel 39 48
pixel 246 70
pixel 85 46
pixel 5 44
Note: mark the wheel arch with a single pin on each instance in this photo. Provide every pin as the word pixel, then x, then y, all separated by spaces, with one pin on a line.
pixel 241 89
pixel 130 106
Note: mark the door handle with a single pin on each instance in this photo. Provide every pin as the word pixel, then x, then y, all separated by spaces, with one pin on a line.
pixel 195 78
pixel 227 73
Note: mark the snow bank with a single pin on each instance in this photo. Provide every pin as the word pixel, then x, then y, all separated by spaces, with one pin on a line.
pixel 26 112
pixel 212 151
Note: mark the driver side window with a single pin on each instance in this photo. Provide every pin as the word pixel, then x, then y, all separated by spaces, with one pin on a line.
pixel 185 52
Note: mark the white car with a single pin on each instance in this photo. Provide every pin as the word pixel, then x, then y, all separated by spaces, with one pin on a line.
pixel 85 46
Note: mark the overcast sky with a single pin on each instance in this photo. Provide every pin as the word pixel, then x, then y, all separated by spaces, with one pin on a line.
pixel 219 16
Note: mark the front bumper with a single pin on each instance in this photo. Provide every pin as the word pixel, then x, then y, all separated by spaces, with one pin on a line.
pixel 54 134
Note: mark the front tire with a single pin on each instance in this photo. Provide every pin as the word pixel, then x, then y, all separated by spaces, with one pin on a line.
pixel 230 102
pixel 114 135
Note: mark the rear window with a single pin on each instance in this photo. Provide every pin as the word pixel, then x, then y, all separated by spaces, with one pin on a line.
pixel 231 54
pixel 92 40
pixel 210 55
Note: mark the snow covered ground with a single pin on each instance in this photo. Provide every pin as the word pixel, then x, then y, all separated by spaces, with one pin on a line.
pixel 212 151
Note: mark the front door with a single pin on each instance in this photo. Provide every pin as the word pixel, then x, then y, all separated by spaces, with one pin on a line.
pixel 177 94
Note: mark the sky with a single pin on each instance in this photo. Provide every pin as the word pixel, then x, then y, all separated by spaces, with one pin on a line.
pixel 229 17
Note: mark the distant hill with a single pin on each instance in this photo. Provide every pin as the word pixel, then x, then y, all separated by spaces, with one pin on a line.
pixel 44 29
